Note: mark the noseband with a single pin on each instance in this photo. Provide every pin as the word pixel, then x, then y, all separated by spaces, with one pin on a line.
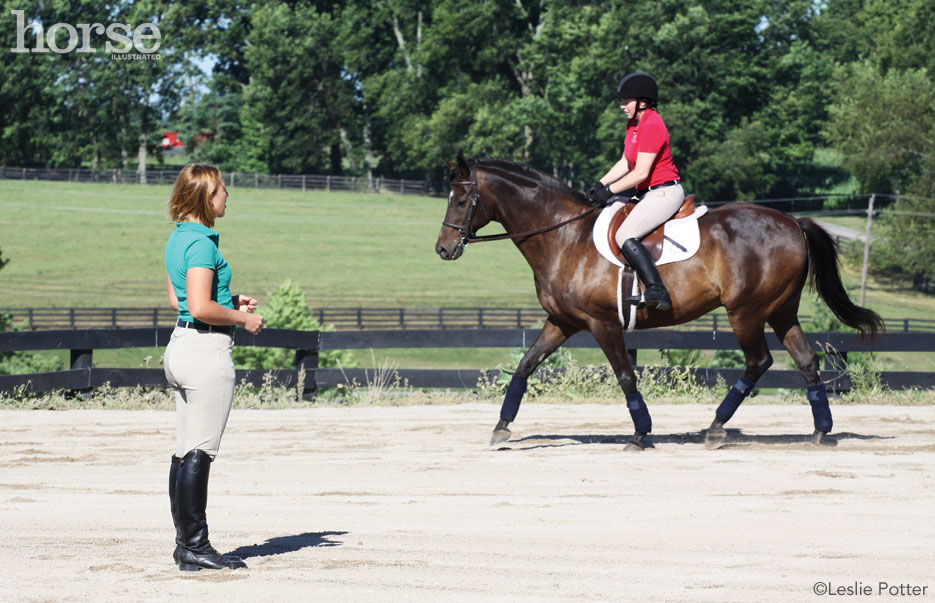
pixel 469 235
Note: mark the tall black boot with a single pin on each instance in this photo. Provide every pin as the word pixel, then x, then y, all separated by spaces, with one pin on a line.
pixel 173 505
pixel 639 257
pixel 194 550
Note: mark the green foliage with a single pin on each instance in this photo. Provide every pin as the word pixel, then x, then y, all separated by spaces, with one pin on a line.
pixel 823 319
pixel 559 360
pixel 391 88
pixel 905 238
pixel 287 308
pixel 865 375
pixel 883 124
pixel 680 357
pixel 729 359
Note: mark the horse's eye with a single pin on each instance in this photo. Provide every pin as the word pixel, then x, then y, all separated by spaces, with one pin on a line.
pixel 461 202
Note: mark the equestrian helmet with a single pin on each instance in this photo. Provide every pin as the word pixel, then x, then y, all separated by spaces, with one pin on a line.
pixel 638 85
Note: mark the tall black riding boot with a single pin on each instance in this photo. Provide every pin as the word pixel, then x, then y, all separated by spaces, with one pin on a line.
pixel 194 550
pixel 173 505
pixel 639 257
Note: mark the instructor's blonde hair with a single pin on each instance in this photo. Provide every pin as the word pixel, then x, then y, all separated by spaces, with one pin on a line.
pixel 191 196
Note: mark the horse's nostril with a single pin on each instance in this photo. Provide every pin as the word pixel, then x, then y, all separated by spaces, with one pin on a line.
pixel 441 251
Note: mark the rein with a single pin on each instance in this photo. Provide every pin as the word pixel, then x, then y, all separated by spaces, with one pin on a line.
pixel 468 235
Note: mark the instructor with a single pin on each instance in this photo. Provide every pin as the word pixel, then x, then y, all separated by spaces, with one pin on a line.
pixel 198 360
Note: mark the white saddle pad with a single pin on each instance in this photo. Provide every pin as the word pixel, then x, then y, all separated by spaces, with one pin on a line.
pixel 681 237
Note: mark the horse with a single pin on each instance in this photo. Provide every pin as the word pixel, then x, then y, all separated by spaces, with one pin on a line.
pixel 753 260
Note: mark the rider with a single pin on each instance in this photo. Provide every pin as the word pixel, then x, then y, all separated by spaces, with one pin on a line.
pixel 646 165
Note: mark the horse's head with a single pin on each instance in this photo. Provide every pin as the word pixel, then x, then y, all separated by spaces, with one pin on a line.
pixel 465 214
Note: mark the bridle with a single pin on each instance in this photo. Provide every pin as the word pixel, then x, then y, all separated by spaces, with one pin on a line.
pixel 467 232
pixel 469 235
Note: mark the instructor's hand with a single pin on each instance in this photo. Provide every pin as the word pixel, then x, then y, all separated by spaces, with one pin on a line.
pixel 253 323
pixel 245 303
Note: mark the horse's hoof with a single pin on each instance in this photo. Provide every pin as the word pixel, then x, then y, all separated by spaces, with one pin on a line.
pixel 820 438
pixel 499 436
pixel 633 447
pixel 715 438
pixel 636 443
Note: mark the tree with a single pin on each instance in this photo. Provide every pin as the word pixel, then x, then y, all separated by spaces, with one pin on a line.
pixel 883 124
pixel 300 102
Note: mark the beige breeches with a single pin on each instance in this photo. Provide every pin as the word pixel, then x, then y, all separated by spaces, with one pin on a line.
pixel 656 207
pixel 200 369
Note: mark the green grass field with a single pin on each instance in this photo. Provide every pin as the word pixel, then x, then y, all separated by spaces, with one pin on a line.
pixel 72 244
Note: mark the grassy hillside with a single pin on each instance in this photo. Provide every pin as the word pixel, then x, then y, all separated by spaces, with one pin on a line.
pixel 102 245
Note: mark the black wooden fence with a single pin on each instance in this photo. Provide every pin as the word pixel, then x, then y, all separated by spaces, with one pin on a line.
pixel 232 179
pixel 83 375
pixel 363 318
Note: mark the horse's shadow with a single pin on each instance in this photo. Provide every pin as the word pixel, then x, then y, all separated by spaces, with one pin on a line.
pixel 287 544
pixel 735 437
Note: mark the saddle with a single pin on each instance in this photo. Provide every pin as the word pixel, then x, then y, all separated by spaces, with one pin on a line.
pixel 652 241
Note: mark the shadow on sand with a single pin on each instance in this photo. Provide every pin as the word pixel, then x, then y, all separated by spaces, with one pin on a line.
pixel 287 544
pixel 735 437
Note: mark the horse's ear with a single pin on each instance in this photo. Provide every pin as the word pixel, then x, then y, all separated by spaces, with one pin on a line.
pixel 451 165
pixel 462 164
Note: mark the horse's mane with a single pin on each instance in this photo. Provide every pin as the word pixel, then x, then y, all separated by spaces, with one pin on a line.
pixel 544 180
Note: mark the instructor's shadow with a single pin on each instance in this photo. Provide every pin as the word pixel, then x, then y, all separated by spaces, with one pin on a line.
pixel 288 544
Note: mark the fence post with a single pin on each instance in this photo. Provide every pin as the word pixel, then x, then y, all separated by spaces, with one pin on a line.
pixel 303 182
pixel 71 317
pixel 307 361
pixel 480 318
pixel 632 354
pixel 402 318
pixel 113 318
pixel 256 180
pixel 81 359
pixel 279 180
pixel 328 182
pixel 360 318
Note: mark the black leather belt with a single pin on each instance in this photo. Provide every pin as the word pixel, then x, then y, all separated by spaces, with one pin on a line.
pixel 642 191
pixel 227 329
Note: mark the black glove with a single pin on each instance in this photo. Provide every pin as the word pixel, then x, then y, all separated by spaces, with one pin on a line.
pixel 599 194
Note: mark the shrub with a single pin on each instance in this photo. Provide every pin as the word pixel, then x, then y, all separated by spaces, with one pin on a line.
pixel 287 308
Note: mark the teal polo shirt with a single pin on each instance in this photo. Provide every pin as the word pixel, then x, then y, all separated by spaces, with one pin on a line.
pixel 194 245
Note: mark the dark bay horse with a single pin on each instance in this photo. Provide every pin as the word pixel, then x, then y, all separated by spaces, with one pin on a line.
pixel 753 260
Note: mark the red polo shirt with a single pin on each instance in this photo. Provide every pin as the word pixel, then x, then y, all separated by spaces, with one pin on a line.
pixel 650 135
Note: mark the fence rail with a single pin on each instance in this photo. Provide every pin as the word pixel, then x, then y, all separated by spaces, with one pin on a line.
pixel 38 319
pixel 232 179
pixel 83 375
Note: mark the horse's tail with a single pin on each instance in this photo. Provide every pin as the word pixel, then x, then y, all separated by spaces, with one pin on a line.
pixel 826 279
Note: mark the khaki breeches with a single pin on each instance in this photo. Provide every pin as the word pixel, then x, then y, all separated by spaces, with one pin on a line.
pixel 654 208
pixel 200 369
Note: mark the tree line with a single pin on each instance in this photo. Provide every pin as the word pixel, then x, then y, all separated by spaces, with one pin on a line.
pixel 763 99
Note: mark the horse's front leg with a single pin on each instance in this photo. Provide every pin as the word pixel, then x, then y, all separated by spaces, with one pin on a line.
pixel 610 337
pixel 549 339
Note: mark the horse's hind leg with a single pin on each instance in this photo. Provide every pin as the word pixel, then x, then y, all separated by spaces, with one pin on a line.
pixel 790 332
pixel 610 338
pixel 749 332
pixel 550 338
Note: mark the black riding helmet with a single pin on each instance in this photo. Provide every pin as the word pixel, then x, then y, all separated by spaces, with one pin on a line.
pixel 640 86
